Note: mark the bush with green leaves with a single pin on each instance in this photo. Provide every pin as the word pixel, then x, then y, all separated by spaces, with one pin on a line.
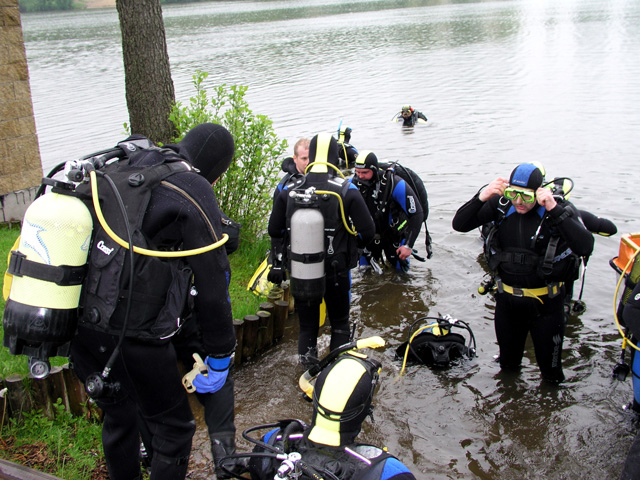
pixel 245 191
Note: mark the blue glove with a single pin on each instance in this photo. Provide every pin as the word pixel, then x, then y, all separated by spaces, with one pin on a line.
pixel 218 370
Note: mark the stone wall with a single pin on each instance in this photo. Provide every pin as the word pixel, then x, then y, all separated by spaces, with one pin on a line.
pixel 20 165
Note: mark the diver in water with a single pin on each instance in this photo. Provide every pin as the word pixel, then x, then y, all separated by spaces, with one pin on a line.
pixel 395 208
pixel 533 246
pixel 410 116
pixel 342 397
pixel 336 241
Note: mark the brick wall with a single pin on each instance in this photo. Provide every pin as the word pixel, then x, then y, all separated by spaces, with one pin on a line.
pixel 20 166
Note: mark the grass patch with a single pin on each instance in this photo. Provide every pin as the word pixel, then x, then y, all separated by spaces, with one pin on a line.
pixel 71 447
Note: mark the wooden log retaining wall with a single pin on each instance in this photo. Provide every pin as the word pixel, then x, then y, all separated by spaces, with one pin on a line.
pixel 255 334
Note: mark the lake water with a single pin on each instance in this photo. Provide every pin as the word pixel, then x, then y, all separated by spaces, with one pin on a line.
pixel 502 82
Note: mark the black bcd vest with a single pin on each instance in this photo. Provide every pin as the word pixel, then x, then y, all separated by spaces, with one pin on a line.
pixel 160 285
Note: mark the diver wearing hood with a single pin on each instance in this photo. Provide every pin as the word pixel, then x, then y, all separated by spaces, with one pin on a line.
pixel 347 153
pixel 410 116
pixel 395 208
pixel 533 250
pixel 170 207
pixel 343 213
pixel 342 400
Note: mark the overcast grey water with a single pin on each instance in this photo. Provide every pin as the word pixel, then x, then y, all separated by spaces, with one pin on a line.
pixel 502 82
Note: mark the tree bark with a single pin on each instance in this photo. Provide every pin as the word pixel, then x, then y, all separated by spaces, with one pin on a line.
pixel 148 84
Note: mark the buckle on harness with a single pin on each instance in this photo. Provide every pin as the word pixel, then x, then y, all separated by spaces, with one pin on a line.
pixel 15 263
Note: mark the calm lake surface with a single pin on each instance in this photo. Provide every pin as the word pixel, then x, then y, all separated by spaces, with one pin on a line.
pixel 502 82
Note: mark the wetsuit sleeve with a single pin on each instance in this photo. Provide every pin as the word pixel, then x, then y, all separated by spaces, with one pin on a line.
pixel 356 209
pixel 408 201
pixel 599 225
pixel 199 223
pixel 572 231
pixel 278 218
pixel 631 312
pixel 475 213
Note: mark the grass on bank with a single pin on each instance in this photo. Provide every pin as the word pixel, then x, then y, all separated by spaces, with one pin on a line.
pixel 70 447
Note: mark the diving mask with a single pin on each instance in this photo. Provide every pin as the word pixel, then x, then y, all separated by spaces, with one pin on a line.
pixel 527 196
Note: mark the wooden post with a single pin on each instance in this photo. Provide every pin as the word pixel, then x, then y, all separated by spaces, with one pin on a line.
pixel 17 395
pixel 76 394
pixel 238 325
pixel 41 396
pixel 267 307
pixel 265 330
pixel 275 294
pixel 271 309
pixel 281 314
pixel 250 337
pixel 56 387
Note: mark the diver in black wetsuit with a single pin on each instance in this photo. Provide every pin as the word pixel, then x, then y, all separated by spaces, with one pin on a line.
pixel 340 246
pixel 178 211
pixel 533 248
pixel 395 208
pixel 410 116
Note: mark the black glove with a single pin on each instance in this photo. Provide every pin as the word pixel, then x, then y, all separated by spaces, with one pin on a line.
pixel 427 244
pixel 277 275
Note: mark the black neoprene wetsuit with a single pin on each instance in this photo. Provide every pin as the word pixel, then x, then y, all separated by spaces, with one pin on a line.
pixel 516 316
pixel 398 218
pixel 183 213
pixel 339 249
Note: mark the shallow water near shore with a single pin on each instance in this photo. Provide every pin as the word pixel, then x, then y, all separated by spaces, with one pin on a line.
pixel 502 82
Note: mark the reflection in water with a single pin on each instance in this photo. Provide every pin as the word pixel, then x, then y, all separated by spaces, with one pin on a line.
pixel 501 82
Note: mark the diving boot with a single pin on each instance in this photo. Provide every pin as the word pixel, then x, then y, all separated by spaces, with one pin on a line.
pixel 220 448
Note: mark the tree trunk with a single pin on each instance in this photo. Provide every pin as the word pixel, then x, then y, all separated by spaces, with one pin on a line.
pixel 148 84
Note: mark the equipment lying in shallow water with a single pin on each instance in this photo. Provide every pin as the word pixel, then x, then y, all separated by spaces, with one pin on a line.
pixel 431 341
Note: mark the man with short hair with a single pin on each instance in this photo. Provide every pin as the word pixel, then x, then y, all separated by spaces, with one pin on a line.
pixel 294 167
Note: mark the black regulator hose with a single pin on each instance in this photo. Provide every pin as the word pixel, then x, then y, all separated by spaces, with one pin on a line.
pixel 96 385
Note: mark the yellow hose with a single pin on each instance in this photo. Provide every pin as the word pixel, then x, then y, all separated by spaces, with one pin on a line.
pixel 140 250
pixel 615 308
pixel 406 352
pixel 344 218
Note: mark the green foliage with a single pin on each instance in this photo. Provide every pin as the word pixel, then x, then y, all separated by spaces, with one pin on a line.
pixel 243 265
pixel 71 445
pixel 245 190
pixel 8 363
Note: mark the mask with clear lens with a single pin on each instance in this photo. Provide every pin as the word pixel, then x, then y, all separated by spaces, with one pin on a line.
pixel 511 193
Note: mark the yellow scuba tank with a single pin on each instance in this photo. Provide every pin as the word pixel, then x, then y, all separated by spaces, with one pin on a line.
pixel 47 269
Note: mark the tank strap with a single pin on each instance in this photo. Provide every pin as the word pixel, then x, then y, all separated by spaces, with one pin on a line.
pixel 307 257
pixel 63 275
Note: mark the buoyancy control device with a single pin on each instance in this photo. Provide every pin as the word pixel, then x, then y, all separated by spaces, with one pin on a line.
pixel 47 271
pixel 432 342
pixel 307 242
